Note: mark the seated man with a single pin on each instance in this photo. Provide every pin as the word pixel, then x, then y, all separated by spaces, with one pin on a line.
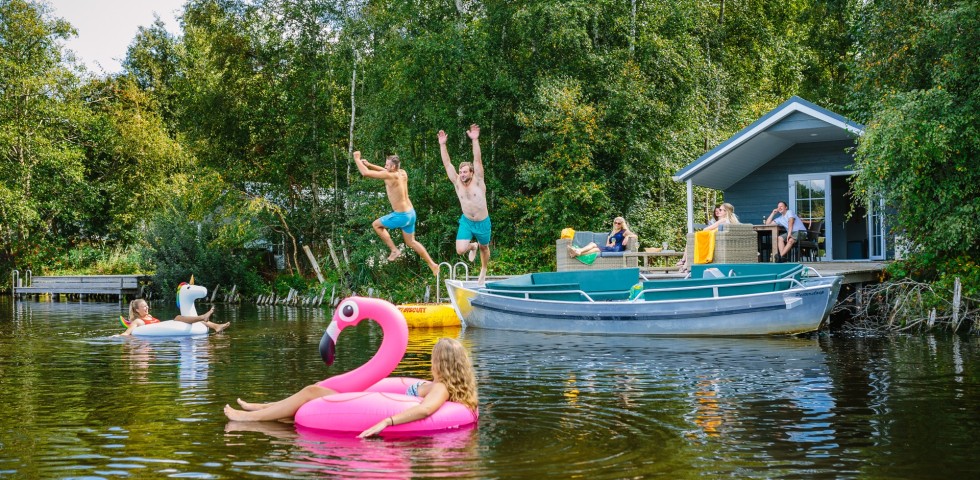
pixel 795 230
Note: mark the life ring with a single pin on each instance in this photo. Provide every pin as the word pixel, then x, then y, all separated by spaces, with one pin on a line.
pixel 366 395
pixel 186 294
pixel 429 315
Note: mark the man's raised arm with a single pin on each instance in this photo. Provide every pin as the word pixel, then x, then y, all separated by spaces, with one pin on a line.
pixel 444 151
pixel 367 169
pixel 474 134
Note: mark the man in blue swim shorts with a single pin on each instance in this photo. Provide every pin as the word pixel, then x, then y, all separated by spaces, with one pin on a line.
pixel 403 214
pixel 472 192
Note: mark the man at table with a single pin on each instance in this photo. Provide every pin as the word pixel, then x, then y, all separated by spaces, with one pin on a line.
pixel 795 230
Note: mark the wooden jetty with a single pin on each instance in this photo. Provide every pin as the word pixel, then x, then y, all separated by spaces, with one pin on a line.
pixel 79 285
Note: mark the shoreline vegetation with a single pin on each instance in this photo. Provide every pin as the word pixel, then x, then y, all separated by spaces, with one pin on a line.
pixel 908 306
pixel 224 150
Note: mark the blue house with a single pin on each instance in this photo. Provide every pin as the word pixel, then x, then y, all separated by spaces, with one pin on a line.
pixel 802 154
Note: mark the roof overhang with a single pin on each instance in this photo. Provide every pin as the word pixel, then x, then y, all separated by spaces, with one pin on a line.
pixel 795 121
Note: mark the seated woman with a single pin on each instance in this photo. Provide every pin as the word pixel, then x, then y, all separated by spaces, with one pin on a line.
pixel 617 241
pixel 453 379
pixel 139 315
pixel 724 214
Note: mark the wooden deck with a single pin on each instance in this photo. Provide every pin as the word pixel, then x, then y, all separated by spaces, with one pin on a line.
pixel 117 285
pixel 853 272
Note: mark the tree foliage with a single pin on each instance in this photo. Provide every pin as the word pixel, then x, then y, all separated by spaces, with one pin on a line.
pixel 241 126
pixel 919 78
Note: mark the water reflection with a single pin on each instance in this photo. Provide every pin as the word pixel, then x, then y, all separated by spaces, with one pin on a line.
pixel 448 454
pixel 79 403
pixel 597 397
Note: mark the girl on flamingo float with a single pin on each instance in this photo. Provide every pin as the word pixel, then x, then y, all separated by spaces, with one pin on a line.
pixel 453 379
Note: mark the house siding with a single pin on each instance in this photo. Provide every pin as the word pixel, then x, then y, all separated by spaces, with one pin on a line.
pixel 756 195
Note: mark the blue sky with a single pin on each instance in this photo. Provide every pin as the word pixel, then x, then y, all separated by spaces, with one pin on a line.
pixel 107 27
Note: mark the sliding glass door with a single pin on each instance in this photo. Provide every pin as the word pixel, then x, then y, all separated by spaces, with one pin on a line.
pixel 810 198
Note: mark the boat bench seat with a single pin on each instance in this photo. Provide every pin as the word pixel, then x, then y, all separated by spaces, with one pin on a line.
pixel 593 280
pixel 612 284
pixel 554 291
pixel 609 284
pixel 728 286
pixel 781 270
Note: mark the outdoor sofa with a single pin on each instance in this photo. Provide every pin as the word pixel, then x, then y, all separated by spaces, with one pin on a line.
pixel 605 259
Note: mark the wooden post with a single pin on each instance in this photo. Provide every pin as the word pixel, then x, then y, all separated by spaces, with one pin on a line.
pixel 957 292
pixel 214 294
pixel 333 255
pixel 319 300
pixel 316 266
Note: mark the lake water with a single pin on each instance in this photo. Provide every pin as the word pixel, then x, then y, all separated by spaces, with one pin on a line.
pixel 78 403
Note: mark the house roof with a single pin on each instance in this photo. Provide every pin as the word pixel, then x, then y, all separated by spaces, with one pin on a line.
pixel 794 121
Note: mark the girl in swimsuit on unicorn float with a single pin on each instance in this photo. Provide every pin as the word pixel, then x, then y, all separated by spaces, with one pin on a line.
pixel 139 315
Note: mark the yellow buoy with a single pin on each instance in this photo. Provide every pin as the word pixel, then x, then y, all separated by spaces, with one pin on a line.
pixel 428 315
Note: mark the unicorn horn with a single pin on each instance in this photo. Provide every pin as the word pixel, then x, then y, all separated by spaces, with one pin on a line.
pixel 192 279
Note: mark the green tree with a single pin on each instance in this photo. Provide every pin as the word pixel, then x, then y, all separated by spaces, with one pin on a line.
pixel 918 150
pixel 41 164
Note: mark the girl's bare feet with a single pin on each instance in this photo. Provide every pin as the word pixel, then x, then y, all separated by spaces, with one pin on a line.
pixel 237 415
pixel 434 267
pixel 394 255
pixel 572 253
pixel 207 314
pixel 218 327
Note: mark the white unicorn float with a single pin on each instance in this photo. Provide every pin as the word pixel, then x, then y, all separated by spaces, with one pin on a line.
pixel 186 294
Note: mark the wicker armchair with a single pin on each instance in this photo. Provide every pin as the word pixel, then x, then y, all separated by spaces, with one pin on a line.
pixel 605 259
pixel 734 243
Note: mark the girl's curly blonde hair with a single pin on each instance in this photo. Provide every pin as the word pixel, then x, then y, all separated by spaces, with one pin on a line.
pixel 451 366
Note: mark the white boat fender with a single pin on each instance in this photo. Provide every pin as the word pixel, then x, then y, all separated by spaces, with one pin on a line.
pixel 712 273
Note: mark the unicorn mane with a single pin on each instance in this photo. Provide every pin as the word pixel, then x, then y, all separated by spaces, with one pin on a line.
pixel 178 293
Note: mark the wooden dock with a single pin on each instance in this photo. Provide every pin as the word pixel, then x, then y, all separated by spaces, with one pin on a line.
pixel 80 285
pixel 853 272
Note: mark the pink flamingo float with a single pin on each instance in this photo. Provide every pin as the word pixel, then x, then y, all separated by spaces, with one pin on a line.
pixel 367 394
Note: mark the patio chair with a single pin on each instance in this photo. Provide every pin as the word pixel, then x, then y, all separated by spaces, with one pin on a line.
pixel 604 261
pixel 734 243
pixel 809 247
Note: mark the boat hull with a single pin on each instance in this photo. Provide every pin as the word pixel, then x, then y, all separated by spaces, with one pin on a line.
pixel 792 311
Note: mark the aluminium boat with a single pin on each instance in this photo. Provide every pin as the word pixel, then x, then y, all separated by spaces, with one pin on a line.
pixel 715 300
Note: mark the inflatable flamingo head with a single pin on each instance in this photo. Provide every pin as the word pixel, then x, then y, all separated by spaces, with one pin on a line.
pixel 351 311
pixel 186 294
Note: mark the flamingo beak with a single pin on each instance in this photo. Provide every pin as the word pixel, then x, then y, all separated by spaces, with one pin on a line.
pixel 328 343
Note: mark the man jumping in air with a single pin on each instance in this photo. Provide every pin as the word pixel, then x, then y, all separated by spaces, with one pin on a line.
pixel 403 214
pixel 472 192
